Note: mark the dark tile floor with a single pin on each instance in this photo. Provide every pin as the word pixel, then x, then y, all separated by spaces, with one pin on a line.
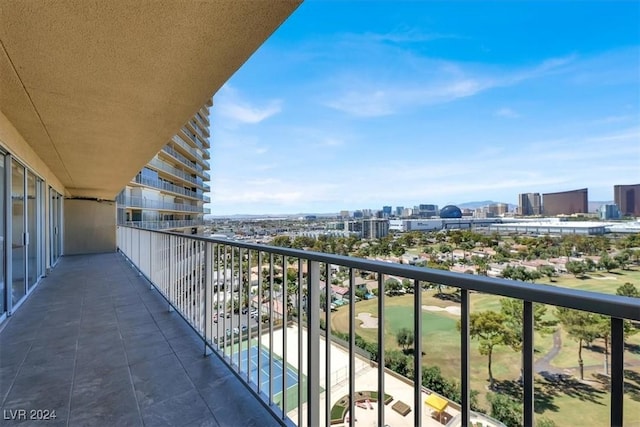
pixel 94 344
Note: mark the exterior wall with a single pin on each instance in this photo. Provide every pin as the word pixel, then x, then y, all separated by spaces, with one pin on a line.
pixel 13 142
pixel 422 225
pixel 529 204
pixel 566 202
pixel 627 197
pixel 548 229
pixel 90 226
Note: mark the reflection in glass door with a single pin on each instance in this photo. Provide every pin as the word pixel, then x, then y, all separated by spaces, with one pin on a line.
pixel 3 287
pixel 42 219
pixel 32 231
pixel 18 247
pixel 55 225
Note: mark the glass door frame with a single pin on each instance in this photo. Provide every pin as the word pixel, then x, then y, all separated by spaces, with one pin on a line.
pixel 34 237
pixel 4 223
pixel 55 226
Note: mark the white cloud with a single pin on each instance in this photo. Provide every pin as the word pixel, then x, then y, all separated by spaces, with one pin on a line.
pixel 507 113
pixel 441 82
pixel 245 113
pixel 230 106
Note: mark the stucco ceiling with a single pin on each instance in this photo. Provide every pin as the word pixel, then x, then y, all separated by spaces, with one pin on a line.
pixel 98 87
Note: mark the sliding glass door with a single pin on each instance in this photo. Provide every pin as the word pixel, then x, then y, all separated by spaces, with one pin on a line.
pixel 18 234
pixel 32 231
pixel 3 286
pixel 55 225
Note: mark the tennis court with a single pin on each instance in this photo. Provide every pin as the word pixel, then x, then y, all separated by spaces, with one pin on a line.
pixel 276 375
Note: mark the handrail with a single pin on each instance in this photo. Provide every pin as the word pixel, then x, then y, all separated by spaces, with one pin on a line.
pixel 139 202
pixel 168 187
pixel 186 269
pixel 595 302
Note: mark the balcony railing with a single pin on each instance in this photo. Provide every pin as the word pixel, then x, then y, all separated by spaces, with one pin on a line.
pixel 183 159
pixel 168 187
pixel 196 153
pixel 139 202
pixel 165 225
pixel 193 138
pixel 209 282
pixel 164 166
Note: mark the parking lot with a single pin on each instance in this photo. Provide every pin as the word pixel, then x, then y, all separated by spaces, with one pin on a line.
pixel 233 323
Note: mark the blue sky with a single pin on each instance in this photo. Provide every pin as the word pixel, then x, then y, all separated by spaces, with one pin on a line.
pixel 353 105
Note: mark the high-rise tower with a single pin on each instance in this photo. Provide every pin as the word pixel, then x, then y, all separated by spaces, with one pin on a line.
pixel 168 193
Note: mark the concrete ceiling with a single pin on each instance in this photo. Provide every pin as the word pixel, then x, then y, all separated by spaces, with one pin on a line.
pixel 98 87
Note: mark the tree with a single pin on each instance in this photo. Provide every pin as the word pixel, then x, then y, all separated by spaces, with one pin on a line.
pixel 445 249
pixel 549 271
pixel 512 311
pixel 506 409
pixel 399 362
pixel 607 263
pixel 623 258
pixel 577 268
pixel 582 326
pixel 481 263
pixel 489 329
pixel 405 338
pixel 392 286
pixel 628 290
pixel 282 241
pixel 407 285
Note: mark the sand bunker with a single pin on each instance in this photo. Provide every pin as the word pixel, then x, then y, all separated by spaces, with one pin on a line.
pixel 452 309
pixel 368 321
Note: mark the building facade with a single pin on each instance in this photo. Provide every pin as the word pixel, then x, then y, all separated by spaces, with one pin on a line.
pixel 529 204
pixel 427 210
pixel 609 212
pixel 168 193
pixel 566 202
pixel 627 197
pixel 375 228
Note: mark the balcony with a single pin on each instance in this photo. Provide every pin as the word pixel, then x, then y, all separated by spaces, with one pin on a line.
pixel 329 373
pixel 187 131
pixel 166 225
pixel 161 185
pixel 197 154
pixel 191 164
pixel 166 167
pixel 96 345
pixel 139 202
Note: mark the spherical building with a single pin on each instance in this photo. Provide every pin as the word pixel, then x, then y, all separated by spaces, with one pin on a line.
pixel 450 211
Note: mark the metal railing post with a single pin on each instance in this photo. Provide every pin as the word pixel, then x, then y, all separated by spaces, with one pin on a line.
pixel 381 397
pixel 617 371
pixel 465 366
pixel 417 353
pixel 352 345
pixel 208 296
pixel 527 356
pixel 313 344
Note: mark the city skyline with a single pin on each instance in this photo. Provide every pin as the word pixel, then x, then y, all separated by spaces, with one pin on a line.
pixel 352 105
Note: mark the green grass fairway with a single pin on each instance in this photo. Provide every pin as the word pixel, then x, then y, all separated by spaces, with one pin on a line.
pixel 581 404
